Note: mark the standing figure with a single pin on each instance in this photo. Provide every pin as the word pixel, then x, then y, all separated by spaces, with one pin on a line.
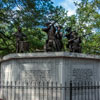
pixel 74 41
pixel 58 36
pixel 69 36
pixel 76 45
pixel 21 45
pixel 50 42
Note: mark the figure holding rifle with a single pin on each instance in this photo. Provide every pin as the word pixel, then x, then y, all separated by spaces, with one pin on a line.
pixel 74 41
pixel 50 42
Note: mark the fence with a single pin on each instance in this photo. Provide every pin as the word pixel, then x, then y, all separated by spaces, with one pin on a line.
pixel 85 91
pixel 50 91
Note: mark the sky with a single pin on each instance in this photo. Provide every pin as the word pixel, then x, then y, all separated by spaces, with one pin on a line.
pixel 67 4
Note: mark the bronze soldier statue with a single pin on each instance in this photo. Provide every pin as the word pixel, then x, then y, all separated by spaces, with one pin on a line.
pixel 74 41
pixel 54 41
pixel 76 45
pixel 50 42
pixel 21 44
pixel 69 36
pixel 58 37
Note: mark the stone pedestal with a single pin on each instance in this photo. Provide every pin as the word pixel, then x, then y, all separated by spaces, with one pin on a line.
pixel 53 66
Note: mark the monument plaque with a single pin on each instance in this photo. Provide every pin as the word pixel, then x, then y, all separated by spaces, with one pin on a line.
pixel 84 74
pixel 36 75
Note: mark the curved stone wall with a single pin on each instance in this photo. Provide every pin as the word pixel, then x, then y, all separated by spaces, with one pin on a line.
pixel 52 66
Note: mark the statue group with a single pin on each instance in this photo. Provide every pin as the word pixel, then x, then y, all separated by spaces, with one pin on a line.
pixel 54 39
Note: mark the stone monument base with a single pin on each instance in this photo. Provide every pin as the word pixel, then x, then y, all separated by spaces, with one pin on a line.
pixel 51 66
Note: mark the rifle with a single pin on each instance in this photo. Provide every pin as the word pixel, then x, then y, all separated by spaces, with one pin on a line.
pixel 85 35
pixel 79 37
pixel 55 22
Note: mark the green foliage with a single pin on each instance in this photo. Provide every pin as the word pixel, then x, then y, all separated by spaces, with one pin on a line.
pixel 88 18
pixel 86 21
pixel 36 39
pixel 92 45
pixel 31 15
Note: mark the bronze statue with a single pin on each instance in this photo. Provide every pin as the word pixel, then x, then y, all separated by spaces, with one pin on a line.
pixel 21 44
pixel 76 45
pixel 58 38
pixel 69 36
pixel 54 41
pixel 74 41
pixel 50 42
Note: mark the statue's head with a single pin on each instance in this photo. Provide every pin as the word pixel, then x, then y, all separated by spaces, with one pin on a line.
pixel 60 27
pixel 75 33
pixel 68 29
pixel 47 24
pixel 19 29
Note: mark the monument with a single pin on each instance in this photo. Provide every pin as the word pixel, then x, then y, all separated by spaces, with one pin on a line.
pixel 51 66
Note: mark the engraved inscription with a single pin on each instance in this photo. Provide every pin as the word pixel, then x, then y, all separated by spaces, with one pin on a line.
pixel 80 74
pixel 36 75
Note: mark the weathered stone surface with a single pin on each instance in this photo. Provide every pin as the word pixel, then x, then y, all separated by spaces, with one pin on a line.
pixel 50 54
pixel 51 66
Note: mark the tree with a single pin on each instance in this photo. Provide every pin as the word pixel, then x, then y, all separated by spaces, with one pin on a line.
pixel 88 21
pixel 30 15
